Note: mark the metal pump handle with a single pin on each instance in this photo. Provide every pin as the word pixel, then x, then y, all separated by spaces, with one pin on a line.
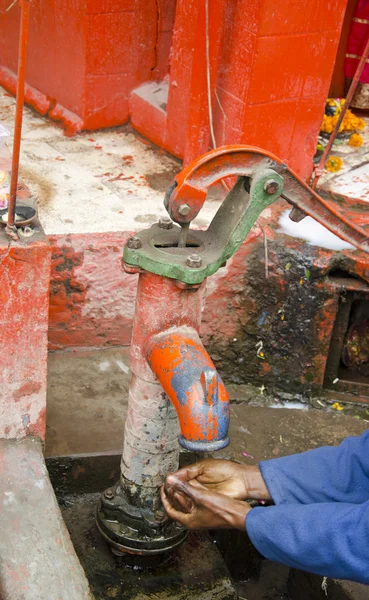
pixel 262 179
pixel 192 184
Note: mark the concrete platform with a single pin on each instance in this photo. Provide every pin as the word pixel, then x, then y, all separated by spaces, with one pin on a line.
pixel 106 181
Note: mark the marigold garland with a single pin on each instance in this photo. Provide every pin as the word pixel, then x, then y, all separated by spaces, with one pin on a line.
pixel 350 121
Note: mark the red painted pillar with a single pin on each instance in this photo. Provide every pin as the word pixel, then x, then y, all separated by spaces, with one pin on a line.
pixel 24 303
pixel 271 67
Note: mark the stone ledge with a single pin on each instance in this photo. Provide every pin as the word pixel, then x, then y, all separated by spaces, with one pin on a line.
pixel 37 558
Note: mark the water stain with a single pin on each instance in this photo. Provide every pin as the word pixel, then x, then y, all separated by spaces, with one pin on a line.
pixel 40 187
pixel 149 218
pixel 161 182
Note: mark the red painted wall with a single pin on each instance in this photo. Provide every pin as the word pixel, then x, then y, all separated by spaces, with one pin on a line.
pixel 271 66
pixel 121 36
pixel 55 65
pixel 85 56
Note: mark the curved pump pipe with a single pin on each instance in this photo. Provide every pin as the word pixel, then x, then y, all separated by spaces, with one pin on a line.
pixel 190 379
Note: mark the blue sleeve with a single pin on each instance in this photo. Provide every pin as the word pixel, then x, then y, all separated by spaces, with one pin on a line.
pixel 328 474
pixel 327 539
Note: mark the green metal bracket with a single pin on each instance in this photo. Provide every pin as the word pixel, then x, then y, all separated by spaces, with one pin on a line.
pixel 156 249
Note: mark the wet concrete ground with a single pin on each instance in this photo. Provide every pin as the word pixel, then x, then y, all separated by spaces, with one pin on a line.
pixel 87 405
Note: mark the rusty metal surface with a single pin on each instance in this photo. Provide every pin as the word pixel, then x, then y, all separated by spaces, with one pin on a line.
pixel 347 367
pixel 193 183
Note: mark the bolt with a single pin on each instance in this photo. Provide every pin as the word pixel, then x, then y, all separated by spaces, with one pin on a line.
pixel 184 210
pixel 194 260
pixel 159 516
pixel 134 243
pixel 109 494
pixel 271 187
pixel 165 223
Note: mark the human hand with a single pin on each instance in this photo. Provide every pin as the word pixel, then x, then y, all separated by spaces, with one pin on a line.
pixel 196 507
pixel 228 478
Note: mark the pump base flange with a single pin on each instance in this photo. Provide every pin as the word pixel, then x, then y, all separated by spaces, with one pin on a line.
pixel 141 536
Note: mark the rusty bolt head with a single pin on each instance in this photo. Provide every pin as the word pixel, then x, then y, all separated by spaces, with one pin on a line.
pixel 271 187
pixel 184 210
pixel 134 243
pixel 109 494
pixel 165 223
pixel 194 261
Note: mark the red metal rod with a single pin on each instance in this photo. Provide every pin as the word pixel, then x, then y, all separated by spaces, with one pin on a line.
pixel 22 60
pixel 345 107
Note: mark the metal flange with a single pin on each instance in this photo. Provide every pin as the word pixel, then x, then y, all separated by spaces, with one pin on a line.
pixel 156 250
pixel 128 529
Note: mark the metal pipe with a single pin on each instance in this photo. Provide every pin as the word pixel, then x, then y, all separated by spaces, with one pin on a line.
pixel 345 107
pixel 190 379
pixel 22 61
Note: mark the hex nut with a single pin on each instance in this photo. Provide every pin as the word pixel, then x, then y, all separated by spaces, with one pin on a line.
pixel 134 243
pixel 194 261
pixel 271 187
pixel 184 210
pixel 165 223
pixel 109 494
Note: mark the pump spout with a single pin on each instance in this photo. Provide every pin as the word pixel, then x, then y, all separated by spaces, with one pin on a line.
pixel 192 383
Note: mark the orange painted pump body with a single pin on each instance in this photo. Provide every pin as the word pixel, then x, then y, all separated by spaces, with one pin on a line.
pixel 167 354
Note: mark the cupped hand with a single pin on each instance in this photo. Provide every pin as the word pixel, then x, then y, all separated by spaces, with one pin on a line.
pixel 227 477
pixel 197 507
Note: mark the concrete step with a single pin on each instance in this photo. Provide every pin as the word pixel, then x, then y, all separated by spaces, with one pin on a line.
pixel 148 110
pixel 37 557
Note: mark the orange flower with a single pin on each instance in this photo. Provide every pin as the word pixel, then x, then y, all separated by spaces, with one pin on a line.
pixel 356 140
pixel 350 122
pixel 334 164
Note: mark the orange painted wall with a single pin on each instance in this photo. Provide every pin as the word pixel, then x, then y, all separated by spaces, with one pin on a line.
pixel 55 65
pixel 271 65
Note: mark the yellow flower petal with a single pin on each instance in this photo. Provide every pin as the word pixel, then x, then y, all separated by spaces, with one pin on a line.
pixel 337 406
pixel 334 164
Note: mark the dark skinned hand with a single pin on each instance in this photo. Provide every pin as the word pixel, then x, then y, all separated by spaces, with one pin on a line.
pixel 226 477
pixel 196 507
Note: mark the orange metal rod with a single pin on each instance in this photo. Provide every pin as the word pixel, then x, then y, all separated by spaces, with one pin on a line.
pixel 22 60
pixel 345 107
